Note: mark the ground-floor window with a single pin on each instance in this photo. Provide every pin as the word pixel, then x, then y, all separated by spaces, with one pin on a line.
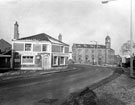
pixel 59 60
pixel 66 60
pixel 55 60
pixel 27 59
pixel 62 60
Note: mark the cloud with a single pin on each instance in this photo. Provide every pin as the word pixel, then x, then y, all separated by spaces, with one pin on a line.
pixel 79 21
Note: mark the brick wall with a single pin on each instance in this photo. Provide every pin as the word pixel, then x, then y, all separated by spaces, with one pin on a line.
pixel 18 46
pixel 55 48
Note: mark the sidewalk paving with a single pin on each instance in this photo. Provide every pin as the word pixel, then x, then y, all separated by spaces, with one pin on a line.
pixel 120 91
pixel 31 73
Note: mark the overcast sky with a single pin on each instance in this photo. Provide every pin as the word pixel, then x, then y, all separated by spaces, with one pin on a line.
pixel 79 21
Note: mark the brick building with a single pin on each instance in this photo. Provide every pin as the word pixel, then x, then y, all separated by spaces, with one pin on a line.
pixel 94 53
pixel 39 51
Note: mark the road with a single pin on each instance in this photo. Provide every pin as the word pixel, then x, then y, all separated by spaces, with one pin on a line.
pixel 30 91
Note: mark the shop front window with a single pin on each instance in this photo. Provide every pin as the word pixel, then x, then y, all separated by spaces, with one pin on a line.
pixel 27 59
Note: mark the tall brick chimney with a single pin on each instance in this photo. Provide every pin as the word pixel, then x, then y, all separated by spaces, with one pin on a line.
pixel 60 37
pixel 16 30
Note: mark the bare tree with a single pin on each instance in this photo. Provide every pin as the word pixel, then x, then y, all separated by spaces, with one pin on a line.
pixel 125 48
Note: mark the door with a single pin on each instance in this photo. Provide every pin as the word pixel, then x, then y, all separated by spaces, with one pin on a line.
pixel 100 61
pixel 45 62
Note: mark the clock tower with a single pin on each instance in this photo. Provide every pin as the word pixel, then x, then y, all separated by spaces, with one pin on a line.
pixel 108 42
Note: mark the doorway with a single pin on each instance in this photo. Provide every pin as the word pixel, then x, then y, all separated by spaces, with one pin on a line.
pixel 45 62
pixel 100 61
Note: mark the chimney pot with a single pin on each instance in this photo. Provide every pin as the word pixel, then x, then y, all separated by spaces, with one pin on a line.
pixel 60 37
pixel 16 31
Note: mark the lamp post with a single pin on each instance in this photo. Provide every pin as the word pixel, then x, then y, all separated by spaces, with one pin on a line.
pixel 131 36
pixel 95 49
pixel 131 41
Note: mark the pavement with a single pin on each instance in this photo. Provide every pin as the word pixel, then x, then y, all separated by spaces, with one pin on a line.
pixel 119 91
pixel 32 73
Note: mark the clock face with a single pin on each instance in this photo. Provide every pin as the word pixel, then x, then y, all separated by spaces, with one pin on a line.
pixel 108 41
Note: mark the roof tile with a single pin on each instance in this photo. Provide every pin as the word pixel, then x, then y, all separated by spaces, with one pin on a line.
pixel 88 46
pixel 42 37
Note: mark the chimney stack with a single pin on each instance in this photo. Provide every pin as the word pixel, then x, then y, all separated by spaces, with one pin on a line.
pixel 16 31
pixel 60 37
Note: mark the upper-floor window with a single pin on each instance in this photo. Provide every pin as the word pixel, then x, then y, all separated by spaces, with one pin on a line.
pixel 79 51
pixel 92 51
pixel 44 47
pixel 27 47
pixel 86 50
pixel 62 49
pixel 66 50
pixel 99 52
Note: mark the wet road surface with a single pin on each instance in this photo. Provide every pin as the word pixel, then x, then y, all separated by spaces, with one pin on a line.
pixel 29 91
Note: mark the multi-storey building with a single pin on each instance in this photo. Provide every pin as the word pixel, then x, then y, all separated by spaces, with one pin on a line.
pixel 94 53
pixel 39 51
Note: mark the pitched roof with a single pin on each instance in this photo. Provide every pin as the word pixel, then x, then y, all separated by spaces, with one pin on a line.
pixel 7 53
pixel 43 37
pixel 4 45
pixel 88 46
pixel 39 37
